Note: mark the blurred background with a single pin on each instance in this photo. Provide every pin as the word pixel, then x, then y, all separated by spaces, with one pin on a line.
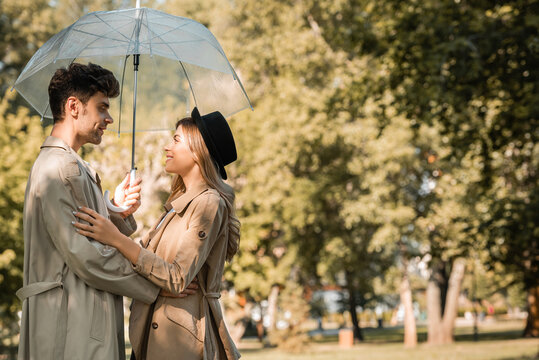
pixel 386 181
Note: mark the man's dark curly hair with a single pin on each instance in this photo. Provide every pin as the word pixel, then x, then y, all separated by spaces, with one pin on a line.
pixel 81 81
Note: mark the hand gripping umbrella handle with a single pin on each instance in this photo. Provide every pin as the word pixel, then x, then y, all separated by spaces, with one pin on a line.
pixel 110 205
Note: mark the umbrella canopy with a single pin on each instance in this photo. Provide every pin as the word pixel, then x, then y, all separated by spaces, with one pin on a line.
pixel 182 65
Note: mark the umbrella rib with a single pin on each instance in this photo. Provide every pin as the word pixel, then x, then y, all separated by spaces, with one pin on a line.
pixel 188 21
pixel 121 96
pixel 189 81
pixel 241 86
pixel 96 37
pixel 183 68
pixel 113 29
pixel 164 42
pixel 128 40
pixel 149 38
pixel 63 42
pixel 220 50
pixel 198 36
pixel 88 46
pixel 48 102
pixel 173 29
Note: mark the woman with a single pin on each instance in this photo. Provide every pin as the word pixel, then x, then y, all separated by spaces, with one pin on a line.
pixel 194 237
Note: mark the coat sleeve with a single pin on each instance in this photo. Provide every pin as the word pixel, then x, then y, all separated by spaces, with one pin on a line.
pixel 103 268
pixel 194 247
pixel 126 226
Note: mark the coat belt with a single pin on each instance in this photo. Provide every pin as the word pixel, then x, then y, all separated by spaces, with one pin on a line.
pixel 37 288
pixel 214 295
pixel 61 327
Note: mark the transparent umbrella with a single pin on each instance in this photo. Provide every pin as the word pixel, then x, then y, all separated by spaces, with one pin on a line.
pixel 181 65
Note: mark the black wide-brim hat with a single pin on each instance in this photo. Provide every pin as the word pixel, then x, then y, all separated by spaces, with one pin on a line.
pixel 217 137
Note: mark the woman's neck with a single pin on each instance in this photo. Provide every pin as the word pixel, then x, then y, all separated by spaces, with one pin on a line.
pixel 192 179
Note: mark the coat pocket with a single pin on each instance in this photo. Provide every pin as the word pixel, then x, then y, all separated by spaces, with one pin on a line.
pixel 97 331
pixel 186 319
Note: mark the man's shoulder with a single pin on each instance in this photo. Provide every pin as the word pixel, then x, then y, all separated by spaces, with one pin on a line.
pixel 56 162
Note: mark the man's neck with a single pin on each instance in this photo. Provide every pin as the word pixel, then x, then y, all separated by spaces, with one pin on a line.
pixel 64 130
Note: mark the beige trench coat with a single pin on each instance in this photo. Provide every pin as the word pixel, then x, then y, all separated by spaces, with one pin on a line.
pixel 73 286
pixel 189 240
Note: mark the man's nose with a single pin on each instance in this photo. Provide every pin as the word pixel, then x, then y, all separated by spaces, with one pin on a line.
pixel 109 119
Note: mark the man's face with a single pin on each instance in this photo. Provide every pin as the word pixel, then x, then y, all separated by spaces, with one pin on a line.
pixel 94 119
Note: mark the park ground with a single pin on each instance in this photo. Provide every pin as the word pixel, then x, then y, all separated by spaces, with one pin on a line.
pixel 498 340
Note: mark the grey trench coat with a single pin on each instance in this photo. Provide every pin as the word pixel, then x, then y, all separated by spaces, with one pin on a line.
pixel 190 239
pixel 73 286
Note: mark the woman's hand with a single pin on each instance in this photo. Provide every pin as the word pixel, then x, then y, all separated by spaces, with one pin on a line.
pixel 99 227
pixel 191 289
pixel 128 196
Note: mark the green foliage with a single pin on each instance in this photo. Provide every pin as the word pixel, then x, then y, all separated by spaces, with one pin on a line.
pixel 381 129
pixel 20 138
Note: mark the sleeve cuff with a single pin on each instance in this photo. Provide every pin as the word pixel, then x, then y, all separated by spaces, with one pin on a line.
pixel 126 226
pixel 144 262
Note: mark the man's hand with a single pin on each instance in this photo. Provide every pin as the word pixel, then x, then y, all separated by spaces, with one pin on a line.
pixel 191 289
pixel 126 195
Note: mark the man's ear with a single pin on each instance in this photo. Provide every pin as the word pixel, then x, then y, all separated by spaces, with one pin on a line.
pixel 73 106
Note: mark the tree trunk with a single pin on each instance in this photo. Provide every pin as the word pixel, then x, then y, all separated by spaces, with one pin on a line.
pixel 532 322
pixel 352 304
pixel 440 326
pixel 410 333
pixel 272 306
pixel 451 303
pixel 352 307
pixel 434 313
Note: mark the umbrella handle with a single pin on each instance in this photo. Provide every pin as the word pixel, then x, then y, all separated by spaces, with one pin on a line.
pixel 110 205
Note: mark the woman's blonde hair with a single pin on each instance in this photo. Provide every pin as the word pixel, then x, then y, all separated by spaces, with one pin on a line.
pixel 211 175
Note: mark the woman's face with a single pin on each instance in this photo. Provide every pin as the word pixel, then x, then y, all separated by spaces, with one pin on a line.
pixel 180 159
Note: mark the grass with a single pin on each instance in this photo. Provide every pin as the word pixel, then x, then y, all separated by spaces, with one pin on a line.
pixel 497 341
pixel 521 349
pixel 499 330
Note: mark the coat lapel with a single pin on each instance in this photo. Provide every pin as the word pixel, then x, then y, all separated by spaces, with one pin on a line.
pixel 181 203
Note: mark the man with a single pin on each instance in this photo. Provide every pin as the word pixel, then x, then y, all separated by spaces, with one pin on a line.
pixel 73 286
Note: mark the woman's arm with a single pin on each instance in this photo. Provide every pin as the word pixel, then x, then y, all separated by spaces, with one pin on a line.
pixel 195 244
pixel 104 231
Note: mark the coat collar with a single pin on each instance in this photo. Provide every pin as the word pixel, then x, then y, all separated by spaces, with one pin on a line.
pixel 180 203
pixel 52 141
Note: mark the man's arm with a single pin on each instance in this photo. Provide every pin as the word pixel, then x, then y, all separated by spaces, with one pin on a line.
pixel 101 267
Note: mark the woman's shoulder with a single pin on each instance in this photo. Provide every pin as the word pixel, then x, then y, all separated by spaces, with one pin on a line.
pixel 208 204
pixel 210 197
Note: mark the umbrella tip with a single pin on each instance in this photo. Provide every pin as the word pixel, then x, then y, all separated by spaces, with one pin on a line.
pixel 138 3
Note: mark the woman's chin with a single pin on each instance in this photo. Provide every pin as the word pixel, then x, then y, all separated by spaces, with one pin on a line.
pixel 170 171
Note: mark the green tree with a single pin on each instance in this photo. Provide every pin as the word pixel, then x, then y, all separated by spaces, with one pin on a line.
pixel 464 71
pixel 467 69
pixel 20 138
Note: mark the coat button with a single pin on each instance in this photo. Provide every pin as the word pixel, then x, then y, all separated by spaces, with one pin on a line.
pixel 201 234
pixel 154 325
